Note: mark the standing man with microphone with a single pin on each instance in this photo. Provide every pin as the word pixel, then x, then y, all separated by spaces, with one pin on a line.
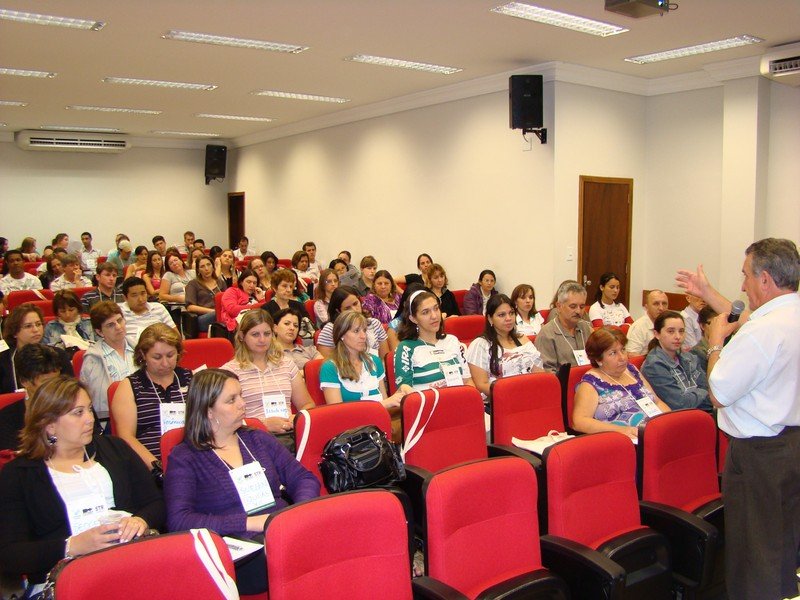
pixel 755 382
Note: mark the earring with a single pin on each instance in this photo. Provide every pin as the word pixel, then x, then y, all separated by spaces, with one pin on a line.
pixel 51 439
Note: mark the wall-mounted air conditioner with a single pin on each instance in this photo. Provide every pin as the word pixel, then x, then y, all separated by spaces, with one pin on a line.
pixel 782 64
pixel 68 141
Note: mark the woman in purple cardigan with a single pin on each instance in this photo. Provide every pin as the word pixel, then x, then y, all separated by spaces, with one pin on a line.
pixel 227 477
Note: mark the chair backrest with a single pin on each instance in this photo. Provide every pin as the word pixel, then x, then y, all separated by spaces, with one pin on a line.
pixel 284 263
pixel 388 363
pixel 32 266
pixel 591 488
pixel 309 305
pixel 165 566
pixel 454 432
pixel 459 296
pixel 218 307
pixel 350 545
pixel 311 373
pixel 77 362
pixel 325 422
pixel 575 375
pixel 545 312
pixel 494 536
pixel 14 299
pixel 637 360
pixel 677 459
pixel 9 398
pixel 46 306
pixel 525 407
pixel 173 437
pixel 211 352
pixel 80 291
pixel 466 327
pixel 112 389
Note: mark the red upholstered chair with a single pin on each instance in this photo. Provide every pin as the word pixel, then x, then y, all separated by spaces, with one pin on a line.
pixel 722 450
pixel 677 471
pixel 309 306
pixel 211 352
pixel 459 296
pixel 596 539
pixel 482 533
pixel 10 398
pixel 311 373
pixel 46 306
pixel 313 429
pixel 388 363
pixel 164 566
pixel 466 327
pixel 112 389
pixel 525 406
pixel 77 362
pixel 14 299
pixel 79 292
pixel 175 436
pixel 637 360
pixel 31 266
pixel 285 263
pixel 545 312
pixel 570 377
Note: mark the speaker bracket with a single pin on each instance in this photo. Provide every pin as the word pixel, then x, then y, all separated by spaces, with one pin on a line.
pixel 541 133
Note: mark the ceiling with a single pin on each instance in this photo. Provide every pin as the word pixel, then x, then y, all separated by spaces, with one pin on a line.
pixel 460 33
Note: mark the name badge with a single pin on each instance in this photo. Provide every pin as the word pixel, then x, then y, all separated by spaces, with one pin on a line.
pixel 173 415
pixel 275 406
pixel 648 407
pixel 252 487
pixel 84 511
pixel 581 358
pixel 452 375
pixel 3 345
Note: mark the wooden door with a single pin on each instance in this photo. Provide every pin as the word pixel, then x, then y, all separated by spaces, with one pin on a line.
pixel 235 218
pixel 604 233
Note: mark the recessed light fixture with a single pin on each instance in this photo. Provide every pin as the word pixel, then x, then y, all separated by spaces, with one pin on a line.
pixel 222 40
pixel 113 109
pixel 558 19
pixel 25 73
pixel 189 133
pixel 80 128
pixel 233 117
pixel 207 87
pixel 295 96
pixel 734 42
pixel 12 103
pixel 37 19
pixel 3 124
pixel 402 64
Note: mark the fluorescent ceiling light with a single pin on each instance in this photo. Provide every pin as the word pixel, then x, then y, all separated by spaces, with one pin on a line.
pixel 734 42
pixel 87 129
pixel 233 117
pixel 559 19
pixel 112 109
pixel 12 103
pixel 190 133
pixel 25 73
pixel 156 83
pixel 402 64
pixel 36 19
pixel 221 40
pixel 294 96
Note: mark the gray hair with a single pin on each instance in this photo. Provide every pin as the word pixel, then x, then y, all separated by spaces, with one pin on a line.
pixel 779 258
pixel 569 287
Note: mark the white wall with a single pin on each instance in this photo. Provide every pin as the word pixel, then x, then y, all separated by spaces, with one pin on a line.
pixel 141 192
pixel 783 186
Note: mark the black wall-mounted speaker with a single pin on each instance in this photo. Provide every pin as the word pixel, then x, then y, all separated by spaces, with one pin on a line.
pixel 216 158
pixel 525 101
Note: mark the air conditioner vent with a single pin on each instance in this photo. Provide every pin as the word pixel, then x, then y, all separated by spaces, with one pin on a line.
pixel 785 66
pixel 71 141
pixel 782 64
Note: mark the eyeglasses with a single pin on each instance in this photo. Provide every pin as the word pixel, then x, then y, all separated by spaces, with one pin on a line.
pixel 34 325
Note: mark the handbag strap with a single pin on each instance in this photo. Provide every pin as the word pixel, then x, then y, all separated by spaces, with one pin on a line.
pixel 414 435
pixel 304 440
pixel 207 551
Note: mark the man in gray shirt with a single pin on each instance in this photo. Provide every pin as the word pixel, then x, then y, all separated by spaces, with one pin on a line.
pixel 563 339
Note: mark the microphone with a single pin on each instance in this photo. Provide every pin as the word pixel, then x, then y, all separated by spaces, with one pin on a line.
pixel 736 310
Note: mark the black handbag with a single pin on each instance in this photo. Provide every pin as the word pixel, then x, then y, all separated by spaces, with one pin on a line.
pixel 360 458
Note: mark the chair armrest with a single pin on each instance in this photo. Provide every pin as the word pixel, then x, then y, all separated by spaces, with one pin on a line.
pixel 692 540
pixel 413 485
pixel 588 573
pixel 426 588
pixel 540 583
pixel 502 450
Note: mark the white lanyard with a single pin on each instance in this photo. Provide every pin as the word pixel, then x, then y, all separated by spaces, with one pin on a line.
pixel 579 353
pixel 274 404
pixel 645 403
pixel 251 483
pixel 171 414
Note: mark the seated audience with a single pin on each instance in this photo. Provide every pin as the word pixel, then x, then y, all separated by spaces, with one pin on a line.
pixel 17 279
pixel 394 324
pixel 123 256
pixel 383 300
pixel 115 250
pixel 286 330
pixel 427 357
pixel 346 298
pixel 136 269
pixel 563 340
pixel 243 249
pixel 70 277
pixel 28 249
pixel 69 321
pixel 200 293
pixel 153 274
pixel 328 282
pixel 270 260
pixel 613 395
pixel 175 280
pixel 314 266
pixel 214 254
pixel 3 245
pixel 106 288
pixel 53 269
pixel 151 401
pixel 424 261
pixel 606 311
pixel 34 364
pixel 25 325
pixel 226 269
pixel 700 349
pixel 109 358
pixel 270 381
pixel 88 256
pixel 284 282
pixel 436 281
pixel 138 312
pixel 300 265
pixel 54 496
pixel 204 484
pixel 160 245
pixel 694 332
pixel 188 243
pixel 528 320
pixel 501 351
pixel 553 312
pixel 258 267
pixel 479 293
pixel 352 373
pixel 349 275
pixel 673 372
pixel 237 299
pixel 368 268
pixel 641 332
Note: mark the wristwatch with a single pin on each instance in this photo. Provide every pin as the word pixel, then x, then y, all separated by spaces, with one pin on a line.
pixel 712 349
